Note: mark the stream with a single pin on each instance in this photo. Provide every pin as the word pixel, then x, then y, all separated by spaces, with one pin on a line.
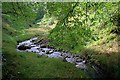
pixel 80 61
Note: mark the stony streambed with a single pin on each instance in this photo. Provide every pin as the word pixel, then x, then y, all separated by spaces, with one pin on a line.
pixel 80 61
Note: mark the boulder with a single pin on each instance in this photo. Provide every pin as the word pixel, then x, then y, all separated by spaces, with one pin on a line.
pixel 23 47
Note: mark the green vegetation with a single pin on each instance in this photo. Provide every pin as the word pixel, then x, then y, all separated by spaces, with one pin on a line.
pixel 78 27
pixel 30 65
pixel 89 28
pixel 84 23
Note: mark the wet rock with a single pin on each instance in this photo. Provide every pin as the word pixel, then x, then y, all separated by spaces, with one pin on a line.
pixel 23 47
pixel 81 65
pixel 68 55
pixel 51 51
pixel 39 41
pixel 64 55
pixel 63 51
pixel 43 41
pixel 51 47
pixel 33 38
pixel 78 55
pixel 35 49
pixel 55 55
pixel 55 50
pixel 28 50
pixel 88 57
pixel 71 60
pixel 84 61
pixel 83 57
pixel 43 46
pixel 47 52
pixel 79 60
pixel 46 49
pixel 26 43
pixel 32 45
pixel 41 53
pixel 60 50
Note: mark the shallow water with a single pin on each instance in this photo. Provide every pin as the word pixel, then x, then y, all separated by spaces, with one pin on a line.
pixel 51 53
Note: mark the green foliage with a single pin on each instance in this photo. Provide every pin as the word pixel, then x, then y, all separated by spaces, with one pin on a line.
pixel 21 15
pixel 18 64
pixel 81 24
pixel 58 9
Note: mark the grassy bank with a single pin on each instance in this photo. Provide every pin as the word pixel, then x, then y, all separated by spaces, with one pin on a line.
pixel 105 53
pixel 30 65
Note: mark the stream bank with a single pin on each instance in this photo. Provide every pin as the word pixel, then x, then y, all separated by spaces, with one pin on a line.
pixel 82 62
